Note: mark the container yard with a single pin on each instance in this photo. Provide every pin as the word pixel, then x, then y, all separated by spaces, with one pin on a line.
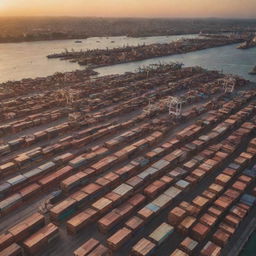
pixel 155 162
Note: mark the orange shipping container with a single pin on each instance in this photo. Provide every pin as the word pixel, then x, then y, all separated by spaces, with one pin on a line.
pixel 41 238
pixel 119 238
pixel 86 248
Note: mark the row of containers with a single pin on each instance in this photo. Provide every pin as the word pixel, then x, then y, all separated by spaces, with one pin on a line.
pixel 38 174
pixel 147 246
pixel 127 189
pixel 144 247
pixel 46 134
pixel 161 164
pixel 32 157
pixel 14 200
pixel 37 107
pixel 36 119
pixel 143 162
pixel 124 234
pixel 29 122
pixel 77 139
pixel 184 212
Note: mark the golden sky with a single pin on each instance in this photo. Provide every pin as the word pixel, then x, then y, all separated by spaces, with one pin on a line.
pixel 130 8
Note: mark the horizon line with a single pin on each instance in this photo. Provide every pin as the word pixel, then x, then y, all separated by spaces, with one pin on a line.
pixel 128 17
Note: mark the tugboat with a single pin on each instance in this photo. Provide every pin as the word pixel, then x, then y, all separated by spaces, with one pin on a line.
pixel 253 72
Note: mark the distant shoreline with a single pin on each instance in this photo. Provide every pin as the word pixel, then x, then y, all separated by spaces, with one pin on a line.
pixel 22 40
pixel 16 30
pixel 75 37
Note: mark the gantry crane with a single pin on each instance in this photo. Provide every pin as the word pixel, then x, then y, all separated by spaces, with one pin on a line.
pixel 175 106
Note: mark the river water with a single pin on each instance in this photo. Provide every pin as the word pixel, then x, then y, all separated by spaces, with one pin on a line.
pixel 28 60
pixel 226 59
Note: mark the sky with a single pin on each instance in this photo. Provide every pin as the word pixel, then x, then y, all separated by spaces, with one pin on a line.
pixel 130 8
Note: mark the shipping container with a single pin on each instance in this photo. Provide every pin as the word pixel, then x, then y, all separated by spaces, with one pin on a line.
pixel 87 247
pixel 10 203
pixel 137 200
pixel 233 194
pixel 30 191
pixel 182 185
pixel 80 197
pixel 115 198
pixel 172 192
pixel 209 195
pixel 221 237
pixel 34 174
pixel 198 174
pixel 160 234
pixel 63 210
pixel 200 202
pixel 92 189
pixel 108 221
pixel 186 224
pixel 119 238
pixel 222 179
pixel 240 186
pixel 199 231
pixel 238 212
pixel 216 188
pixel 135 223
pixel 74 181
pixel 112 178
pixel 5 188
pixel 176 215
pixel 27 227
pixel 178 252
pixel 232 220
pixel 135 182
pixel 143 247
pixel 210 249
pixel 162 201
pixel 12 250
pixel 227 228
pixel 208 220
pixel 153 189
pixel 6 240
pixel 188 245
pixel 17 181
pixel 41 239
pixel 102 205
pixel 126 171
pixel 223 202
pixel 100 250
pixel 123 190
pixel 248 200
pixel 79 221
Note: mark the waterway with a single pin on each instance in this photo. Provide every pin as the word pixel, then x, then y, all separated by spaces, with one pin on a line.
pixel 28 59
pixel 226 59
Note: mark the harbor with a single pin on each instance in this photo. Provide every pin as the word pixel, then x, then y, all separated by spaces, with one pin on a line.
pixel 91 164
pixel 127 130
